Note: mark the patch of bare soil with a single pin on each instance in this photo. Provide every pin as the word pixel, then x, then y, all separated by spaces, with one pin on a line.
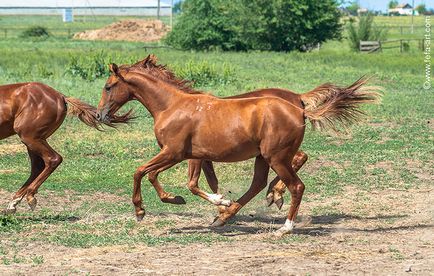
pixel 359 232
pixel 11 149
pixel 127 30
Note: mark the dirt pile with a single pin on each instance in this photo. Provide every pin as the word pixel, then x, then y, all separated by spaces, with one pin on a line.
pixel 127 30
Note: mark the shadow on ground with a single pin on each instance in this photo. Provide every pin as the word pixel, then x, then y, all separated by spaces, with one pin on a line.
pixel 321 225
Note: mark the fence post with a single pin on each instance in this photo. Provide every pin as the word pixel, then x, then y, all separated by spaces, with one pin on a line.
pixel 400 44
pixel 401 29
pixel 6 33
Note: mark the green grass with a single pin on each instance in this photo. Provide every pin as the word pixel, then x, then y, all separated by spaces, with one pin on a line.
pixel 395 132
pixel 13 26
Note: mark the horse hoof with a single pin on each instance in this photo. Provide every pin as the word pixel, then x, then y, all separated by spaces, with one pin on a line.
pixel 279 203
pixel 174 200
pixel 270 199
pixel 282 232
pixel 140 215
pixel 32 203
pixel 218 222
pixel 8 211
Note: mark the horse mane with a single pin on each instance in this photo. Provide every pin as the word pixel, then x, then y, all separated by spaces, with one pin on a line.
pixel 160 71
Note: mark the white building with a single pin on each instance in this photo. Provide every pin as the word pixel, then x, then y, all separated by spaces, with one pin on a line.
pixel 402 9
pixel 85 7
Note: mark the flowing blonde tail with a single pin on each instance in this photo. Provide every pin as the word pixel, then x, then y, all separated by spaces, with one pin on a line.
pixel 85 112
pixel 333 107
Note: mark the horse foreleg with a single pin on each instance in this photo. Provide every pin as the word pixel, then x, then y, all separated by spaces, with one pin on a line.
pixel 194 168
pixel 259 182
pixel 277 188
pixel 37 165
pixel 162 161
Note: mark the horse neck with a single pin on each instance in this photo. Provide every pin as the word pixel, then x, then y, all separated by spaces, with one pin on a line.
pixel 155 95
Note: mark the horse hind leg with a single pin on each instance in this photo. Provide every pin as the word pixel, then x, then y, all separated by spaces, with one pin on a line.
pixel 51 161
pixel 194 169
pixel 295 186
pixel 258 184
pixel 37 166
pixel 211 178
pixel 277 188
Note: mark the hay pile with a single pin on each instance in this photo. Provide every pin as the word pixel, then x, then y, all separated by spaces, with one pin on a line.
pixel 127 30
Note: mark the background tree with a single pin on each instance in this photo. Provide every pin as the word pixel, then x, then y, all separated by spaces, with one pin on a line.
pixel 177 7
pixel 283 25
pixel 365 30
pixel 353 7
pixel 392 4
pixel 421 9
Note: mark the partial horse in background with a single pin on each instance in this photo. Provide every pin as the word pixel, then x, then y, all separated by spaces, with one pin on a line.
pixel 34 111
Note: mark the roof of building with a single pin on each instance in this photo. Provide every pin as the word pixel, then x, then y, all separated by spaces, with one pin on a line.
pixel 82 4
pixel 404 6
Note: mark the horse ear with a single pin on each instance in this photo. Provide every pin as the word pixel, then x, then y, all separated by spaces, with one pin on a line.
pixel 153 59
pixel 149 60
pixel 114 69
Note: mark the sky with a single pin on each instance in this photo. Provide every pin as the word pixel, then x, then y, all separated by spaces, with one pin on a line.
pixel 382 4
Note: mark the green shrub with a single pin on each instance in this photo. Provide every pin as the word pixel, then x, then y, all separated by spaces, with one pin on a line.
pixel 95 65
pixel 35 31
pixel 283 25
pixel 365 31
pixel 203 73
pixel 89 67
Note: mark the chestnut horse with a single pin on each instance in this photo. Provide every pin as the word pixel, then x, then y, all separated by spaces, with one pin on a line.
pixel 34 111
pixel 275 192
pixel 201 126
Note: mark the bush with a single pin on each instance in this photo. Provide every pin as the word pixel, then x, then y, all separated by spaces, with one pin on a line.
pixel 283 25
pixel 95 65
pixel 36 31
pixel 91 66
pixel 204 73
pixel 365 31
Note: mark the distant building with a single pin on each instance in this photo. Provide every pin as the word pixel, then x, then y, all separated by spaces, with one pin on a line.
pixel 402 9
pixel 361 11
pixel 85 7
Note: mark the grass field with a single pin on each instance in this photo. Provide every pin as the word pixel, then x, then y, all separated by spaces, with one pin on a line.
pixel 365 185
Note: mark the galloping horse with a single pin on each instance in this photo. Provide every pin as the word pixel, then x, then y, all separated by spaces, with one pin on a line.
pixel 276 188
pixel 34 111
pixel 201 126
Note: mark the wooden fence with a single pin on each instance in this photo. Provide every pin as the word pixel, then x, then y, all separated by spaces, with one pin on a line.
pixel 402 44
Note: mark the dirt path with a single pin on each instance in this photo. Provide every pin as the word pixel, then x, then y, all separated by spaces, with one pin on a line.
pixel 382 233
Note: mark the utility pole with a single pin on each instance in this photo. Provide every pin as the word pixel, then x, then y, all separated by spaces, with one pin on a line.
pixel 412 15
pixel 171 14
pixel 158 10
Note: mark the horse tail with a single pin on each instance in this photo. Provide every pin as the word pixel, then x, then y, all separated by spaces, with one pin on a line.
pixel 333 107
pixel 85 112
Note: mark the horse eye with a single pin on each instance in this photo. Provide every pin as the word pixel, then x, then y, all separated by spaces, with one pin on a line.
pixel 107 88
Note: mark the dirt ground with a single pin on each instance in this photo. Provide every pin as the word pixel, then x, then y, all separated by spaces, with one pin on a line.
pixel 127 30
pixel 378 233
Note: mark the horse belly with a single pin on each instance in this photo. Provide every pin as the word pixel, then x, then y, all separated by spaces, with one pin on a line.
pixel 224 151
pixel 6 129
